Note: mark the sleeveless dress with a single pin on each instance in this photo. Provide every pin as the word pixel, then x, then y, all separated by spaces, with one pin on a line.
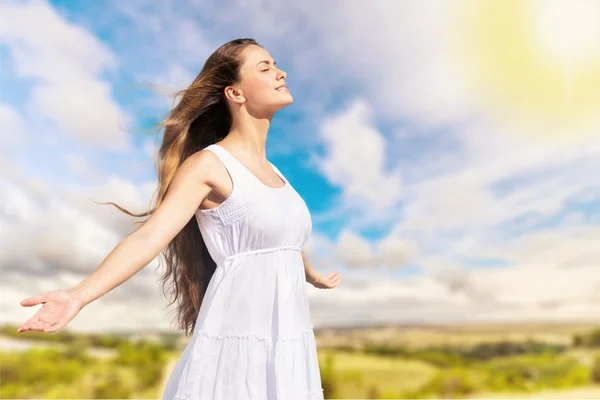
pixel 253 337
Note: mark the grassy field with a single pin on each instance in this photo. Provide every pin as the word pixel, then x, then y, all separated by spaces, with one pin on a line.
pixel 592 392
pixel 378 376
pixel 346 374
pixel 357 374
pixel 360 376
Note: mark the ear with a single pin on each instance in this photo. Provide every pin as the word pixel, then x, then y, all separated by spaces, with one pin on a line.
pixel 234 94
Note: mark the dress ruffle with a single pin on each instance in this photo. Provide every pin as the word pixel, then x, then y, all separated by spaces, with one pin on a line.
pixel 253 367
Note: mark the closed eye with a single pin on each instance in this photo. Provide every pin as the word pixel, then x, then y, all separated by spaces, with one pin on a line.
pixel 265 69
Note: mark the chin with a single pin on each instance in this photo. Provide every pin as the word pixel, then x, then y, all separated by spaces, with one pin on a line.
pixel 284 104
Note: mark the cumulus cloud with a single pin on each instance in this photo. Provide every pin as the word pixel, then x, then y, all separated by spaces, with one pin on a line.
pixel 65 63
pixel 355 251
pixel 355 158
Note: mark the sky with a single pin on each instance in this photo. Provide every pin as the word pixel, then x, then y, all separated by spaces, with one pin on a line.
pixel 448 151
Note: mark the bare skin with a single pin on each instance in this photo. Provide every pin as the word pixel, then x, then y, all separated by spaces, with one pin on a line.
pixel 200 182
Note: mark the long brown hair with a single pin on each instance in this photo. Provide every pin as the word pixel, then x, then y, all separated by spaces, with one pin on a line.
pixel 202 117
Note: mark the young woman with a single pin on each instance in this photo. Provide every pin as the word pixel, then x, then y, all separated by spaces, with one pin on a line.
pixel 232 229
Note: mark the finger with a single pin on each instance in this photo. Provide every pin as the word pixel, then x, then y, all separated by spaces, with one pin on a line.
pixel 27 325
pixel 32 301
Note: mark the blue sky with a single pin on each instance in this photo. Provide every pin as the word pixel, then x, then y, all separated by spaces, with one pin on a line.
pixel 451 172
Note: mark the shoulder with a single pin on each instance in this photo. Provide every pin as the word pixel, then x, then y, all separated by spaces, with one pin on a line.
pixel 202 158
pixel 203 163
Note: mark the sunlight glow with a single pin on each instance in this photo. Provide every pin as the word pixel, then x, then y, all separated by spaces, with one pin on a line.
pixel 568 29
pixel 534 65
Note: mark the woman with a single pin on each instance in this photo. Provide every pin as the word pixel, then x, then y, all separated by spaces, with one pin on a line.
pixel 232 230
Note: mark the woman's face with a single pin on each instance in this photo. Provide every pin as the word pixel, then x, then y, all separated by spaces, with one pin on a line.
pixel 262 83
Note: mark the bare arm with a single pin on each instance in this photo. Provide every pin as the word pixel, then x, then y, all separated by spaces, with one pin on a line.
pixel 312 276
pixel 190 185
pixel 192 182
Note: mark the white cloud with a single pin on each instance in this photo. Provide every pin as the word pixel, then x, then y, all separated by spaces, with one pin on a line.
pixel 518 292
pixel 13 132
pixel 568 248
pixel 80 166
pixel 413 74
pixel 497 187
pixel 396 252
pixel 355 158
pixel 354 251
pixel 319 251
pixel 66 62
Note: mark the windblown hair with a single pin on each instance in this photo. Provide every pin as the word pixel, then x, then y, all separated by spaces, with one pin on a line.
pixel 202 117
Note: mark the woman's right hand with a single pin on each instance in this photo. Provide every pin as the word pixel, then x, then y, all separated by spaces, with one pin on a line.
pixel 59 308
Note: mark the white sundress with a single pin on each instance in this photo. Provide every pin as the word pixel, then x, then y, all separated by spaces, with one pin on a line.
pixel 253 337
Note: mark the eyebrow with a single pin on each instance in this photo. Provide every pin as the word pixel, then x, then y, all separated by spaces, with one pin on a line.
pixel 266 62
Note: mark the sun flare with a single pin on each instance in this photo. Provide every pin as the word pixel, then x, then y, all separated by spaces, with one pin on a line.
pixel 568 30
pixel 535 64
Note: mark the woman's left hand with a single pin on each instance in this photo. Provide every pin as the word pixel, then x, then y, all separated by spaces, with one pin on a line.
pixel 328 281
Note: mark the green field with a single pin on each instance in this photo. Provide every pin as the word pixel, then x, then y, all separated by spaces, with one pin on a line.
pixel 524 361
pixel 361 375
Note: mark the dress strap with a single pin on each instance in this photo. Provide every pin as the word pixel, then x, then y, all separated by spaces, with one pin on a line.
pixel 235 171
pixel 245 175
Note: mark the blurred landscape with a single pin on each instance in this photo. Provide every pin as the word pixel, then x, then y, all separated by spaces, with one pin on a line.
pixel 483 360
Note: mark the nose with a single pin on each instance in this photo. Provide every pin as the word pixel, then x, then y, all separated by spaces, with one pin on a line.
pixel 281 74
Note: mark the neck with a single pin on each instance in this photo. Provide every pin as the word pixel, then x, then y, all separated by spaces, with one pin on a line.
pixel 248 134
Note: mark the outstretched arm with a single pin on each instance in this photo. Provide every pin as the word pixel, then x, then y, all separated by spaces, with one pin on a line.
pixel 190 185
pixel 192 182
